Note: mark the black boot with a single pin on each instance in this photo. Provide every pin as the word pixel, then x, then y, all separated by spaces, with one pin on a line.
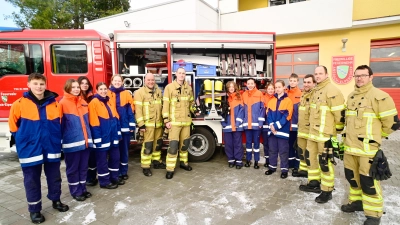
pixel 60 206
pixel 239 167
pixel 182 165
pixel 312 186
pixel 269 172
pixel 372 221
pixel 324 197
pixel 120 181
pixel 147 172
pixel 79 198
pixel 159 165
pixel 92 182
pixel 299 173
pixel 284 175
pixel 231 165
pixel 247 164
pixel 124 177
pixel 169 175
pixel 256 165
pixel 266 164
pixel 87 194
pixel 37 217
pixel 110 186
pixel 352 207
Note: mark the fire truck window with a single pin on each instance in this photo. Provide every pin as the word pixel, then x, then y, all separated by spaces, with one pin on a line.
pixel 69 59
pixel 12 59
pixel 36 57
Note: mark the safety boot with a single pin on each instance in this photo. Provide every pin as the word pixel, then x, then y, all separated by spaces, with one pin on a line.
pixel 120 181
pixel 147 172
pixel 256 165
pixel 169 175
pixel 372 221
pixel 324 197
pixel 92 182
pixel 159 165
pixel 266 164
pixel 299 173
pixel 247 164
pixel 60 206
pixel 312 186
pixel 352 207
pixel 182 165
pixel 37 217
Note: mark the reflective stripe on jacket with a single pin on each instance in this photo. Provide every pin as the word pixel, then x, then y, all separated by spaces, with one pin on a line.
pixel 304 115
pixel 234 119
pixel 369 117
pixel 267 98
pixel 279 113
pixel 104 123
pixel 36 128
pixel 178 104
pixel 76 135
pixel 326 110
pixel 254 111
pixel 122 100
pixel 148 107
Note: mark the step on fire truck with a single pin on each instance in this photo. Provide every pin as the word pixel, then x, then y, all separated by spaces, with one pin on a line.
pixel 210 58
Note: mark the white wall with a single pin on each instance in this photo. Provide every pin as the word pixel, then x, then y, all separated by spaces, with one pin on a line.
pixel 206 17
pixel 228 6
pixel 178 15
pixel 308 16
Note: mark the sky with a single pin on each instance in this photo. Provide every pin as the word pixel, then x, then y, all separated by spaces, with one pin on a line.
pixel 7 8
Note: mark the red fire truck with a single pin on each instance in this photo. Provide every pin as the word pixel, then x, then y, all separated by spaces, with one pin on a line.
pixel 208 56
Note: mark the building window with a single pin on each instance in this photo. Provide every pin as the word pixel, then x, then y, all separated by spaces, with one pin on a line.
pixel 385 63
pixel 283 2
pixel 69 59
pixel 299 60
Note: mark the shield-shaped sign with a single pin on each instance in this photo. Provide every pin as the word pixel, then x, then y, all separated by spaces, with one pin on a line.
pixel 342 71
pixel 4 98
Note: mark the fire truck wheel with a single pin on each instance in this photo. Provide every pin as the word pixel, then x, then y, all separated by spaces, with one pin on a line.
pixel 202 145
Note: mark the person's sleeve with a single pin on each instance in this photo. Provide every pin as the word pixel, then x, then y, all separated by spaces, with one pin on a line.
pixel 131 114
pixel 261 113
pixel 240 115
pixel 116 117
pixel 165 108
pixel 94 123
pixel 138 100
pixel 269 114
pixel 13 118
pixel 388 114
pixel 287 115
pixel 191 102
pixel 337 106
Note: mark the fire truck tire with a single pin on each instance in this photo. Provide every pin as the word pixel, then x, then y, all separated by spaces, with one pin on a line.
pixel 202 145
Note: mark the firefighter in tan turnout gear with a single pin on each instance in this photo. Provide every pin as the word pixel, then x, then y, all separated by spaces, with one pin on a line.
pixel 304 126
pixel 177 108
pixel 371 114
pixel 148 106
pixel 327 111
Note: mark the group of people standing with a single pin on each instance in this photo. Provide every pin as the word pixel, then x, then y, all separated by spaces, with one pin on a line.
pixel 299 127
pixel 93 131
pixel 302 128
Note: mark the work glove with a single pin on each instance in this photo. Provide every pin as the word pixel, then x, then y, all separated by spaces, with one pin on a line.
pixel 380 167
pixel 338 148
pixel 139 137
pixel 328 152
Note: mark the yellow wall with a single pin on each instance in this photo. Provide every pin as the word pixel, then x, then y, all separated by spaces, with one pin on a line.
pixel 252 4
pixel 369 9
pixel 330 44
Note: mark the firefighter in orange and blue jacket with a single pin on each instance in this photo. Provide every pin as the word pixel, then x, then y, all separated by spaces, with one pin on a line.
pixel 294 93
pixel 370 116
pixel 254 118
pixel 123 101
pixel 232 126
pixel 279 113
pixel 76 139
pixel 326 119
pixel 105 128
pixel 34 122
pixel 268 95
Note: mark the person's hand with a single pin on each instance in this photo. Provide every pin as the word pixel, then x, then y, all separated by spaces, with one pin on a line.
pixel 197 114
pixel 168 125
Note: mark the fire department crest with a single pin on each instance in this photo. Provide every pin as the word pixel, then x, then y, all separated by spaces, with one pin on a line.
pixel 4 98
pixel 342 68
